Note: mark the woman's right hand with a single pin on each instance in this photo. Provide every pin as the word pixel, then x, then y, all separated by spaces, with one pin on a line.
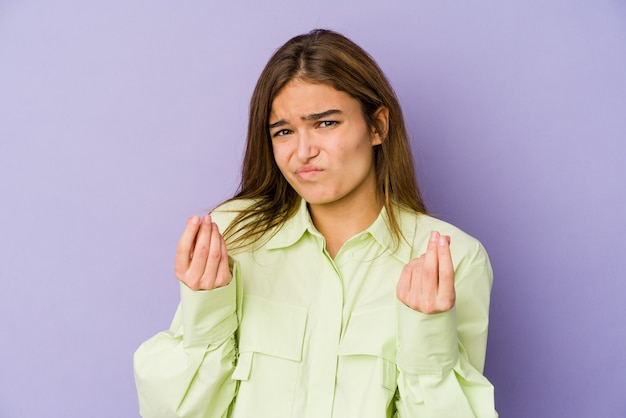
pixel 201 257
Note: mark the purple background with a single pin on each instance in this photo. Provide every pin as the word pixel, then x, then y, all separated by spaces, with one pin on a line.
pixel 118 119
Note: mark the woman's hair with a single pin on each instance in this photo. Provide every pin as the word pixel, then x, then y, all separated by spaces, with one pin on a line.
pixel 323 57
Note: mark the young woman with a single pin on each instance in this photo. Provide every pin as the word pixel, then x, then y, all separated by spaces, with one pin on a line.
pixel 323 288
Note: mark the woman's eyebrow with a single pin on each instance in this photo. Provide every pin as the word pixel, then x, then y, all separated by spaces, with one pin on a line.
pixel 321 115
pixel 312 116
pixel 281 122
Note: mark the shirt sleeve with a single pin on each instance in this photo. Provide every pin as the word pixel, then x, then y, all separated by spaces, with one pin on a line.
pixel 186 371
pixel 441 356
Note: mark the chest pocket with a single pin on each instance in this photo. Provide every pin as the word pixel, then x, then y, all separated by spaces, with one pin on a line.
pixel 270 340
pixel 372 333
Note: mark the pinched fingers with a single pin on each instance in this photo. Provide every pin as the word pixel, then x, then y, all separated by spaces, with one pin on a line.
pixel 427 282
pixel 408 290
pixel 429 277
pixel 216 262
pixel 201 256
pixel 446 293
pixel 186 245
pixel 224 275
pixel 197 265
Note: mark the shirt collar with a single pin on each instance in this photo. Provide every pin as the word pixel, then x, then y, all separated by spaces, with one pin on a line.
pixel 381 232
pixel 293 229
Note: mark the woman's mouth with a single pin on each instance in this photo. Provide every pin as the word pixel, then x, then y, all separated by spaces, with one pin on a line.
pixel 307 172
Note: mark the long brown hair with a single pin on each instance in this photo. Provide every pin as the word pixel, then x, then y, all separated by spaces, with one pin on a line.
pixel 326 57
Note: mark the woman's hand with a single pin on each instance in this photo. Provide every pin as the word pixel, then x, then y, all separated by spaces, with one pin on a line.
pixel 427 282
pixel 201 257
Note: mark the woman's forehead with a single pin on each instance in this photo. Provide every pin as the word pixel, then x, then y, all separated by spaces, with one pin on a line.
pixel 301 99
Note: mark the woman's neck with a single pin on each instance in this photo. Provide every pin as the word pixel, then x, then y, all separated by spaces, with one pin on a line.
pixel 340 221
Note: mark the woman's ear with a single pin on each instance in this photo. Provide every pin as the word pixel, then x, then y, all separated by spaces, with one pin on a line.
pixel 380 119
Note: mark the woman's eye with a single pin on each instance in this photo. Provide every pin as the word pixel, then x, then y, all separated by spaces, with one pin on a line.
pixel 327 123
pixel 282 132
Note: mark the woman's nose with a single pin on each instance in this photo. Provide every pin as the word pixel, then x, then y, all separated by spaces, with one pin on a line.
pixel 307 147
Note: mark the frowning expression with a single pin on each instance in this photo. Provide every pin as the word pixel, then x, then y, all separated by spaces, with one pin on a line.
pixel 322 144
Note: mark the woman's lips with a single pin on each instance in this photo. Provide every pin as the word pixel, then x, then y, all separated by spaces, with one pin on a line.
pixel 306 172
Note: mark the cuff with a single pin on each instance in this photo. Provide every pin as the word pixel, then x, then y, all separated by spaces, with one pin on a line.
pixel 209 316
pixel 427 342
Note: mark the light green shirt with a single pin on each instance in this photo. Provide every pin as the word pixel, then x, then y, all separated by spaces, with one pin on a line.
pixel 301 335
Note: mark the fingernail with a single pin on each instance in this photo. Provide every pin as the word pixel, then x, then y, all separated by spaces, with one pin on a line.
pixel 195 220
pixel 442 241
pixel 206 219
pixel 433 236
pixel 214 225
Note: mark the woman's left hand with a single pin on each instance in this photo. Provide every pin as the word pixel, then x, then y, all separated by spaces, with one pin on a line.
pixel 427 282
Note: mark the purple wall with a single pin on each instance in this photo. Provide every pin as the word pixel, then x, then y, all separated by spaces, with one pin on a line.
pixel 120 119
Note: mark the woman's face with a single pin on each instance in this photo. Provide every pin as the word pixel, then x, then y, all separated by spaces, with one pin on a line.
pixel 323 145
